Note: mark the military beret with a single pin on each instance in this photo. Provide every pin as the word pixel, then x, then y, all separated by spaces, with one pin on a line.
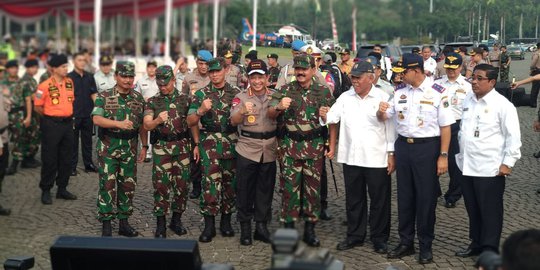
pixel 297 44
pixel 12 63
pixel 31 63
pixel 251 55
pixel 164 74
pixel 204 55
pixel 272 55
pixel 125 68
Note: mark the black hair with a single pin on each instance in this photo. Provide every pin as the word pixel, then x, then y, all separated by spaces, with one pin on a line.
pixel 81 53
pixel 521 250
pixel 491 72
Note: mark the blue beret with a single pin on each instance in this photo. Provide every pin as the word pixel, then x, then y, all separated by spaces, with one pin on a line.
pixel 204 55
pixel 297 44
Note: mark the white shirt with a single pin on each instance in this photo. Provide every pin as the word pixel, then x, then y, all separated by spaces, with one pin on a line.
pixel 386 64
pixel 104 82
pixel 420 112
pixel 363 139
pixel 430 65
pixel 457 91
pixel 489 135
pixel 147 87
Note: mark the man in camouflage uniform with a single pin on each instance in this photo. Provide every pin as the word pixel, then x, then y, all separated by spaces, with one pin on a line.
pixel 4 151
pixel 273 70
pixel 165 115
pixel 505 64
pixel 11 78
pixel 118 112
pixel 301 102
pixel 211 106
pixel 22 120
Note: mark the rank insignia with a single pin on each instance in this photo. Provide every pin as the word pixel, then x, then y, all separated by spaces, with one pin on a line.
pixel 251 119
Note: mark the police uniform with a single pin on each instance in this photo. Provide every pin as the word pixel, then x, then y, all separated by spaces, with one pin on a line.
pixel 56 99
pixel 456 92
pixel 419 112
pixel 255 165
pixel 117 153
pixel 105 81
pixel 171 154
pixel 346 67
pixel 218 155
pixel 234 77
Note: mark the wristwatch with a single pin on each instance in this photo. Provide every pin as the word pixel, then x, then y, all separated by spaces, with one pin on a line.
pixel 444 154
pixel 145 146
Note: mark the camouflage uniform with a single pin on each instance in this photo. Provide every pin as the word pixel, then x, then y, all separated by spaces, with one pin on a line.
pixel 117 152
pixel 24 139
pixel 217 151
pixel 504 69
pixel 303 149
pixel 274 75
pixel 44 76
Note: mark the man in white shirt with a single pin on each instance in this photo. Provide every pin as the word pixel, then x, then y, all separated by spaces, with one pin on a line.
pixel 430 65
pixel 104 77
pixel 367 153
pixel 457 88
pixel 421 111
pixel 490 144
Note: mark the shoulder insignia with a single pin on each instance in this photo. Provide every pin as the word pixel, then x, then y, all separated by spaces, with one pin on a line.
pixel 439 88
pixel 400 86
pixel 236 101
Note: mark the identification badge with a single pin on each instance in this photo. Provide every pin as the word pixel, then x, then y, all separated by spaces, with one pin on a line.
pixel 420 121
pixel 454 101
pixel 476 133
pixel 251 119
pixel 402 101
pixel 111 103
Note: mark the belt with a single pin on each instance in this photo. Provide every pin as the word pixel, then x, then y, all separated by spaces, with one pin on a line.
pixel 219 129
pixel 120 135
pixel 494 60
pixel 58 118
pixel 418 140
pixel 258 135
pixel 301 136
pixel 173 137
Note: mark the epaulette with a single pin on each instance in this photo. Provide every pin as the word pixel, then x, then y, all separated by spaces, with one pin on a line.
pixel 438 78
pixel 439 88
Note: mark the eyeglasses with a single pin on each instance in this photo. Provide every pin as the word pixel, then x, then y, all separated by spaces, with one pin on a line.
pixel 479 78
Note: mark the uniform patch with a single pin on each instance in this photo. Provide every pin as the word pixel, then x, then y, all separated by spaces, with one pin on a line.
pixel 403 97
pixel 426 102
pixel 402 101
pixel 251 119
pixel 439 88
pixel 39 94
pixel 446 104
pixel 236 101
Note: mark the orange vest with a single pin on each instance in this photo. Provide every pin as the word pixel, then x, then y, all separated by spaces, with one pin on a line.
pixel 56 97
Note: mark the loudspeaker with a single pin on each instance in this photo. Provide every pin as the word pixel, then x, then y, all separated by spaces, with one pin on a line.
pixel 504 89
pixel 519 98
pixel 107 253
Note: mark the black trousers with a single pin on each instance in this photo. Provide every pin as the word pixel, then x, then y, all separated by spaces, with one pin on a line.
pixel 255 183
pixel 418 189
pixel 83 128
pixel 453 194
pixel 4 160
pixel 56 152
pixel 378 184
pixel 535 88
pixel 483 198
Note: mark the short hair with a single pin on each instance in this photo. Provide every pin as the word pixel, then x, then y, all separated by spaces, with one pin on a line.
pixel 426 47
pixel 491 72
pixel 521 249
pixel 377 45
pixel 81 53
pixel 447 49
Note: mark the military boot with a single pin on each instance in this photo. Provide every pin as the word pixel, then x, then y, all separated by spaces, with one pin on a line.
pixel 209 229
pixel 4 211
pixel 225 226
pixel 289 225
pixel 196 192
pixel 261 232
pixel 12 168
pixel 309 235
pixel 106 229
pixel 245 234
pixel 126 230
pixel 176 224
pixel 30 162
pixel 161 229
pixel 325 215
pixel 2 174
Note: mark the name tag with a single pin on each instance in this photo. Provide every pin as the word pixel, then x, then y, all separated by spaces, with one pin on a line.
pixel 426 102
pixel 402 101
pixel 111 103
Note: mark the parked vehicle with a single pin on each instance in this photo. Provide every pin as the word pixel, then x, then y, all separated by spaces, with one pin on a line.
pixel 391 51
pixel 515 51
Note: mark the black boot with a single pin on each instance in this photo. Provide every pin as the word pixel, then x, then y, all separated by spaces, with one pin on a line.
pixel 126 230
pixel 225 226
pixel 209 229
pixel 161 229
pixel 309 235
pixel 4 211
pixel 288 225
pixel 325 215
pixel 2 174
pixel 106 229
pixel 261 232
pixel 196 192
pixel 12 168
pixel 245 233
pixel 46 197
pixel 30 163
pixel 176 224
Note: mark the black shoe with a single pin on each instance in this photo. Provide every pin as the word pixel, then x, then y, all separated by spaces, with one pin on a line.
pixel 537 154
pixel 4 211
pixel 30 163
pixel 161 229
pixel 289 225
pixel 147 160
pixel 126 230
pixel 225 226
pixel 345 223
pixel 66 195
pixel 194 194
pixel 450 205
pixel 261 232
pixel 349 244
pixel 381 248
pixel 73 172
pixel 309 235
pixel 106 229
pixel 401 251
pixel 425 257
pixel 538 191
pixel 209 229
pixel 176 224
pixel 325 214
pixel 12 168
pixel 469 252
pixel 46 197
pixel 90 168
pixel 245 234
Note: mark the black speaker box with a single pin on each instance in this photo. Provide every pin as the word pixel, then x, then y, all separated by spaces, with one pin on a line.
pixel 107 253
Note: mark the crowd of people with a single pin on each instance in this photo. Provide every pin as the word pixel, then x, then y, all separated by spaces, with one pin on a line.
pixel 229 129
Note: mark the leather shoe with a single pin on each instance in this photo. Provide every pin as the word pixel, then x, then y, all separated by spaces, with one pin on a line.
pixel 90 168
pixel 66 195
pixel 194 194
pixel 450 205
pixel 46 197
pixel 401 251
pixel 73 172
pixel 4 211
pixel 536 154
pixel 425 257
pixel 381 248
pixel 146 160
pixel 348 244
pixel 469 252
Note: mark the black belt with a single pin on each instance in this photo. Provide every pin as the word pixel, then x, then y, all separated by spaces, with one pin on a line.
pixel 494 60
pixel 305 136
pixel 228 129
pixel 120 135
pixel 18 109
pixel 418 140
pixel 172 137
pixel 258 135
pixel 58 118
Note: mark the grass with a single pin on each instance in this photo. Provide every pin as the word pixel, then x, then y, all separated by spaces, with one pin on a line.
pixel 284 54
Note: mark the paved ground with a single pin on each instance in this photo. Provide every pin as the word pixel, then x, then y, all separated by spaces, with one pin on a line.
pixel 33 227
